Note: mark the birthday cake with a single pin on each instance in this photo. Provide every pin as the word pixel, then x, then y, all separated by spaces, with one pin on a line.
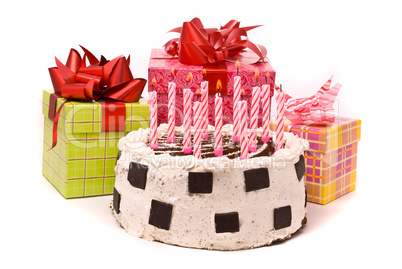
pixel 222 203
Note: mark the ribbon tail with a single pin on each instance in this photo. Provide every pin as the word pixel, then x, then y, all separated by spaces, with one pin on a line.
pixel 55 124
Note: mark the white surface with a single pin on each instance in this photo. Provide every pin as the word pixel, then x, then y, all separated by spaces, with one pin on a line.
pixel 357 41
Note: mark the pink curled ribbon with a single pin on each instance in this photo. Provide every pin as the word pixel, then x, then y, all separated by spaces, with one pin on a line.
pixel 316 109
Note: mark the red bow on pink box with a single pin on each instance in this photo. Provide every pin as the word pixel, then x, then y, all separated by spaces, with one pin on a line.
pixel 198 45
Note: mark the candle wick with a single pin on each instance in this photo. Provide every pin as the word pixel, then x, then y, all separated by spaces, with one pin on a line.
pixel 219 94
pixel 256 81
pixel 280 87
pixel 237 71
pixel 171 76
pixel 266 80
pixel 153 87
pixel 186 83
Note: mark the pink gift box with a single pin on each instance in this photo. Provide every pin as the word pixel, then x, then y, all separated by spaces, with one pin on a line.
pixel 160 68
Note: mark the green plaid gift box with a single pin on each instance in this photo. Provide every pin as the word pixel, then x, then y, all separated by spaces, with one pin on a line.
pixel 82 163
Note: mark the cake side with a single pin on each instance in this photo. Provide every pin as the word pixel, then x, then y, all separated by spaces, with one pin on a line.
pixel 212 203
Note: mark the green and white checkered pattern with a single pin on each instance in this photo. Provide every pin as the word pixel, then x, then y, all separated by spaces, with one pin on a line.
pixel 82 163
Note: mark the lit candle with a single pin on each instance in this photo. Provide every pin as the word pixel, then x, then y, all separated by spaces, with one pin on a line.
pixel 171 107
pixel 197 127
pixel 204 106
pixel 187 100
pixel 266 109
pixel 236 99
pixel 255 109
pixel 218 150
pixel 153 119
pixel 243 130
pixel 280 101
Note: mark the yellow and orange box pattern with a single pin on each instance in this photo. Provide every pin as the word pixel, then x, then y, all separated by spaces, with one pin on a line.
pixel 82 163
pixel 331 161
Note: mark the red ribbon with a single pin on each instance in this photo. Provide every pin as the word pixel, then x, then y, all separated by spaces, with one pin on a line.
pixel 101 79
pixel 198 45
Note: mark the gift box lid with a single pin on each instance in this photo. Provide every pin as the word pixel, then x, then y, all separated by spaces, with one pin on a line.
pixel 86 117
pixel 161 64
pixel 342 132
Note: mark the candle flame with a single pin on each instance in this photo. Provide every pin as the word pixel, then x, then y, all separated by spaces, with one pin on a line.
pixel 197 91
pixel 257 73
pixel 204 72
pixel 153 81
pixel 242 91
pixel 218 85
pixel 267 74
pixel 237 64
pixel 172 71
pixel 189 77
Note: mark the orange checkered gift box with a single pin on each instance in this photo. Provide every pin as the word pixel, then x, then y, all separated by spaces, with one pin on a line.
pixel 331 159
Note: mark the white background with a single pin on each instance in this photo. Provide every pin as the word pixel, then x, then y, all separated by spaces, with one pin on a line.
pixel 308 41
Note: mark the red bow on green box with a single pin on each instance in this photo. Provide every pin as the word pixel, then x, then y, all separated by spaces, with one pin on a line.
pixel 198 45
pixel 110 82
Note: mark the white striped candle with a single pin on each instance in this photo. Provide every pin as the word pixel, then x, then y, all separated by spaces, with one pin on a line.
pixel 204 108
pixel 266 113
pixel 153 120
pixel 243 130
pixel 255 109
pixel 187 101
pixel 280 101
pixel 171 113
pixel 197 130
pixel 236 99
pixel 218 150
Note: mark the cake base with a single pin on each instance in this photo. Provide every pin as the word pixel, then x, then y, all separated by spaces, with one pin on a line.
pixel 303 223
pixel 220 203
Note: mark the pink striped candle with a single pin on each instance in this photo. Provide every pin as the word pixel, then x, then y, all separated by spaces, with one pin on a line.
pixel 243 130
pixel 266 112
pixel 204 108
pixel 255 109
pixel 171 112
pixel 153 120
pixel 187 100
pixel 267 94
pixel 218 150
pixel 236 99
pixel 198 129
pixel 280 101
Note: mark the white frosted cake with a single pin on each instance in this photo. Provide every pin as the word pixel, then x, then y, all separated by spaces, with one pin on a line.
pixel 221 203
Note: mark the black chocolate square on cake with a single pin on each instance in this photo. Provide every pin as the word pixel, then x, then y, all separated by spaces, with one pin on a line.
pixel 227 222
pixel 300 168
pixel 160 215
pixel 200 182
pixel 118 156
pixel 282 217
pixel 137 175
pixel 256 179
pixel 116 201
pixel 305 197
